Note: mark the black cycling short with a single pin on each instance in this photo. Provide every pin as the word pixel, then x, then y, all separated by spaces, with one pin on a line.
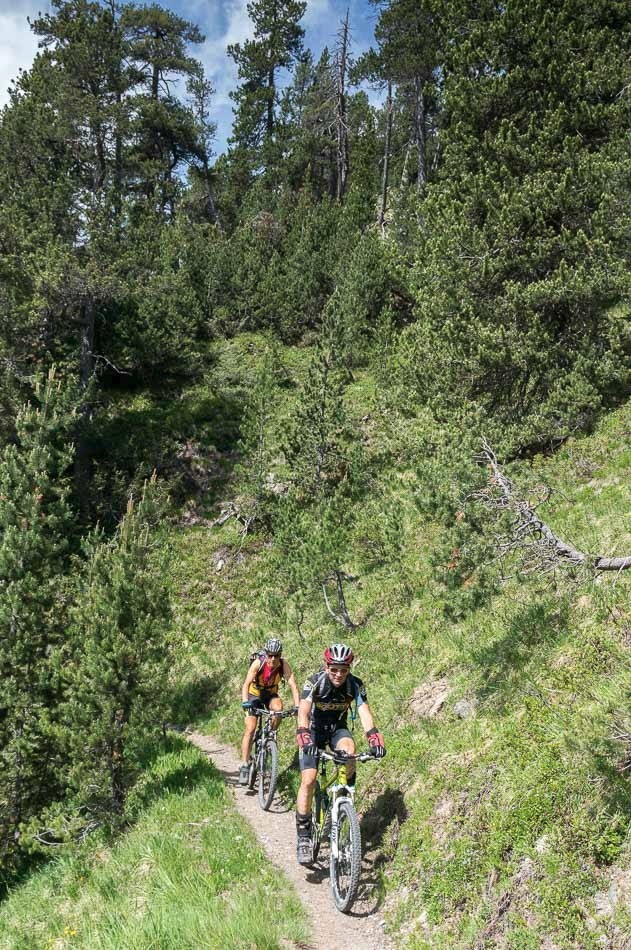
pixel 261 702
pixel 322 739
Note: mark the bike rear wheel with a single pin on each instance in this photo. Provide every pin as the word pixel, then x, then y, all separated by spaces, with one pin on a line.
pixel 268 774
pixel 346 857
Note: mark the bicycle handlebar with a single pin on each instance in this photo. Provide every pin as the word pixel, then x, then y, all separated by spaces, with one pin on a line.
pixel 341 757
pixel 278 713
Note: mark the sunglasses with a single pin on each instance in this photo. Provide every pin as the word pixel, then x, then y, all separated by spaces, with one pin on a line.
pixel 338 669
pixel 273 656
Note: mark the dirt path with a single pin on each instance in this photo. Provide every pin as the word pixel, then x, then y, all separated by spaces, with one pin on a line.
pixel 363 926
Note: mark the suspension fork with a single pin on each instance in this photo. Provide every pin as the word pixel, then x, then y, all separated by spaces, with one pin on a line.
pixel 340 793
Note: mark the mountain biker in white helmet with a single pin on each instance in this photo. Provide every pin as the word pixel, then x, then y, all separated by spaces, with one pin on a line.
pixel 322 720
pixel 260 689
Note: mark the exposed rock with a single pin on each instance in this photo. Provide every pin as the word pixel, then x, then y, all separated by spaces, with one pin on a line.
pixel 428 699
pixel 464 709
pixel 275 486
pixel 618 894
pixel 542 845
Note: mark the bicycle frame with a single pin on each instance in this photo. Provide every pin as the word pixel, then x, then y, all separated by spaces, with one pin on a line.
pixel 335 800
pixel 337 789
pixel 264 730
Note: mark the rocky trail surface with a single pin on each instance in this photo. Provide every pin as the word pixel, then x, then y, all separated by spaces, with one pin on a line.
pixel 363 926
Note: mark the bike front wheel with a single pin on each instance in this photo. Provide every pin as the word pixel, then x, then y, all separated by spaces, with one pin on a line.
pixel 346 857
pixel 268 774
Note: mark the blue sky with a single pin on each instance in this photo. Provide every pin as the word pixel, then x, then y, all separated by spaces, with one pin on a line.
pixel 222 21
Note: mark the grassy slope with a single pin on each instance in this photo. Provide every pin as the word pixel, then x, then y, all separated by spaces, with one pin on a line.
pixel 509 828
pixel 180 877
pixel 512 826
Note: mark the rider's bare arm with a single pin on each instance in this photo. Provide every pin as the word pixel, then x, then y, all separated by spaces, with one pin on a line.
pixel 304 713
pixel 365 716
pixel 290 679
pixel 245 689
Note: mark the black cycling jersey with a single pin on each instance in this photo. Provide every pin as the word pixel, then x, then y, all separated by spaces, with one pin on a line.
pixel 330 704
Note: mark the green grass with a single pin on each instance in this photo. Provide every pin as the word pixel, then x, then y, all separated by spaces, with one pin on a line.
pixel 511 824
pixel 189 873
pixel 509 828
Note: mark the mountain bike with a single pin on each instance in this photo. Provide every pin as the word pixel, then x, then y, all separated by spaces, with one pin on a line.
pixel 263 763
pixel 334 817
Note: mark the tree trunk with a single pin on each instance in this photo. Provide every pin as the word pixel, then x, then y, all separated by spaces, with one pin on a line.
pixel 270 103
pixel 528 524
pixel 86 359
pixel 340 110
pixel 386 161
pixel 420 132
pixel 211 207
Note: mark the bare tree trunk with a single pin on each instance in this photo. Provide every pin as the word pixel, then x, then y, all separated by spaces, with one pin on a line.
pixel 404 172
pixel 270 103
pixel 386 161
pixel 341 126
pixel 155 82
pixel 213 215
pixel 86 359
pixel 420 132
pixel 118 164
pixel 340 616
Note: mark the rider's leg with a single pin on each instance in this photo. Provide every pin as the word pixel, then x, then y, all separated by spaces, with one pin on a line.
pixel 308 775
pixel 342 741
pixel 246 742
pixel 305 792
pixel 276 704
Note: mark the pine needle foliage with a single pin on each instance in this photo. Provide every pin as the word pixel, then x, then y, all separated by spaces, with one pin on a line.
pixel 36 525
pixel 120 658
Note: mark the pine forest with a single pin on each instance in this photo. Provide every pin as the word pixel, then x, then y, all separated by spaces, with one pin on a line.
pixel 362 376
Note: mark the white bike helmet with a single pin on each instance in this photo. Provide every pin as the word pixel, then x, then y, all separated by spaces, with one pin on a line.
pixel 338 653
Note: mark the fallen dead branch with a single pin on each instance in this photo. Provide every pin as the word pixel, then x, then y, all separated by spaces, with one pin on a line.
pixel 529 532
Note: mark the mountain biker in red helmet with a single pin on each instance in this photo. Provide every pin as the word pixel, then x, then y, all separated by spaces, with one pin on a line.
pixel 322 720
pixel 260 689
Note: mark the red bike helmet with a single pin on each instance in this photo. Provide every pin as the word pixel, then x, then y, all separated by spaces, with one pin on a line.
pixel 339 654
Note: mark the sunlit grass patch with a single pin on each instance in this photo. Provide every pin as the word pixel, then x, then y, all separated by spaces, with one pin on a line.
pixel 188 874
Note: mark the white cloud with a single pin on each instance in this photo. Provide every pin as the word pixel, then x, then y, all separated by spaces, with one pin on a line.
pixel 18 45
pixel 219 67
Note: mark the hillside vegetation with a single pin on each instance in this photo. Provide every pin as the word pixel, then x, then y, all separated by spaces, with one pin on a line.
pixel 503 822
pixel 363 377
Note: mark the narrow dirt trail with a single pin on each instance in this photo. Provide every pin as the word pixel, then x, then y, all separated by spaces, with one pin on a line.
pixel 276 830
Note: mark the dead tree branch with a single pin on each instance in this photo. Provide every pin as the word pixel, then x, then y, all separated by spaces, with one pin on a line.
pixel 529 530
pixel 340 616
pixel 231 510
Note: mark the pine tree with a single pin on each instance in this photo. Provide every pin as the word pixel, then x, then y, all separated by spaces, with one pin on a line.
pixel 90 147
pixel 276 46
pixel 116 684
pixel 257 446
pixel 409 56
pixel 316 448
pixel 36 526
pixel 313 525
pixel 525 236
pixel 164 131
